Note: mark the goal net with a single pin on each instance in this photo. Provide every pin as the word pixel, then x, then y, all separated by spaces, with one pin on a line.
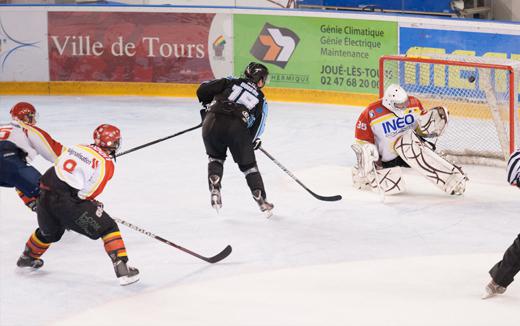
pixel 480 93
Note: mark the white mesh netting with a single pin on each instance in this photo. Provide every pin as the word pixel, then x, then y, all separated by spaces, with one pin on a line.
pixel 475 90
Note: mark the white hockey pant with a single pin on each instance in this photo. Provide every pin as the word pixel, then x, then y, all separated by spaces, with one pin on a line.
pixel 445 175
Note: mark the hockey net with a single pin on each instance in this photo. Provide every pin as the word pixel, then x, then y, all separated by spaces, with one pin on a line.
pixel 480 93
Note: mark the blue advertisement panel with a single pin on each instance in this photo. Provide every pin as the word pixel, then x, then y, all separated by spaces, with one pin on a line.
pixel 459 42
pixel 417 41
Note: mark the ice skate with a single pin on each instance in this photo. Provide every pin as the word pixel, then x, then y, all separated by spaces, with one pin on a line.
pixel 125 274
pixel 492 289
pixel 27 261
pixel 264 205
pixel 216 199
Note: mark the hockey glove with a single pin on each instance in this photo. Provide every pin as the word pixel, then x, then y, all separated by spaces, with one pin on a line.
pixel 257 143
pixel 203 114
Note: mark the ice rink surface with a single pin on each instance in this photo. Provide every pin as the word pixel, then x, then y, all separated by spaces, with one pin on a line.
pixel 419 258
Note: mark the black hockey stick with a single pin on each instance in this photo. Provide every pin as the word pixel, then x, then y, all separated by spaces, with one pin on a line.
pixel 158 140
pixel 325 198
pixel 218 257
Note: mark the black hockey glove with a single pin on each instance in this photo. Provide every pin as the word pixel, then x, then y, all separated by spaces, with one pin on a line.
pixel 257 143
pixel 203 114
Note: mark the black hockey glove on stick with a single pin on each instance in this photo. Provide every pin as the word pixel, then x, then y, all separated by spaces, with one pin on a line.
pixel 158 140
pixel 214 259
pixel 324 198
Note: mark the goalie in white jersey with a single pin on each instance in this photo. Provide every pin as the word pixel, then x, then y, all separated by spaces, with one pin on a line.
pixel 68 201
pixel 390 133
pixel 20 142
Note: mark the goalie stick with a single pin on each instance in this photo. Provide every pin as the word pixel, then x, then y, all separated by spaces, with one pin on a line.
pixel 324 198
pixel 214 259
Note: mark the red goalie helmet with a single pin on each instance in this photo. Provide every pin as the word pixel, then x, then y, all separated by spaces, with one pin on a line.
pixel 24 112
pixel 107 137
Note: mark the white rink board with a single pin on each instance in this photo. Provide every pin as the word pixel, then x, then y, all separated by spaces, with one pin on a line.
pixel 23 45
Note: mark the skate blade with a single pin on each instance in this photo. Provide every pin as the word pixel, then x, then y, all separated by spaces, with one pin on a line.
pixel 268 214
pixel 125 280
pixel 217 208
pixel 488 295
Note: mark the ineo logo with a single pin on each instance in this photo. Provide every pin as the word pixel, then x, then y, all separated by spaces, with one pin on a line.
pixel 398 124
pixel 275 45
pixel 8 45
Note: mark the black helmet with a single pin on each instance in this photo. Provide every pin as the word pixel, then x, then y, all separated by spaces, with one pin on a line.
pixel 256 71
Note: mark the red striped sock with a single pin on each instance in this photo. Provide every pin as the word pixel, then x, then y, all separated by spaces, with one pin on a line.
pixel 35 246
pixel 114 244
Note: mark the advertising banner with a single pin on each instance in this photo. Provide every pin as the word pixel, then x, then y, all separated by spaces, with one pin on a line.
pixel 138 47
pixel 417 41
pixel 23 45
pixel 315 53
pixel 412 40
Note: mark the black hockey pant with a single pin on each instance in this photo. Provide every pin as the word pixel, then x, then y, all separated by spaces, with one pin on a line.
pixel 504 271
pixel 220 132
pixel 59 208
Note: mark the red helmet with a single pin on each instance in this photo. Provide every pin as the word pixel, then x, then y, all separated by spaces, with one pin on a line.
pixel 107 137
pixel 24 112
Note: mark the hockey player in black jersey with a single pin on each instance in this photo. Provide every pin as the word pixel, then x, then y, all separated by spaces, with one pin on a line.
pixel 234 115
pixel 503 273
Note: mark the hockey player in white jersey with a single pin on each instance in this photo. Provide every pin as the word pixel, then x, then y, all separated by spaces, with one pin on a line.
pixel 20 142
pixel 390 134
pixel 68 201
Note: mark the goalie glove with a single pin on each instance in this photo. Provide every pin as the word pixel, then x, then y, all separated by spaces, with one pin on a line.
pixel 433 123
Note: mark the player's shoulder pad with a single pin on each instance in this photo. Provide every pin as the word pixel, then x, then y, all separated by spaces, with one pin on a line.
pixel 99 151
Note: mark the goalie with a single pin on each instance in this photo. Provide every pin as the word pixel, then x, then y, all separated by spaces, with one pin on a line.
pixel 390 134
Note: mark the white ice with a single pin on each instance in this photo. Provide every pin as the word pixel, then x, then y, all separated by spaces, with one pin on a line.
pixel 420 258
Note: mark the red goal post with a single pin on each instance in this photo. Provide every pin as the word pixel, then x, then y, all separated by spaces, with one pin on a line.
pixel 481 94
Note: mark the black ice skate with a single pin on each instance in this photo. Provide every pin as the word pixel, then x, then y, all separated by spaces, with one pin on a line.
pixel 492 289
pixel 264 205
pixel 125 274
pixel 214 185
pixel 26 261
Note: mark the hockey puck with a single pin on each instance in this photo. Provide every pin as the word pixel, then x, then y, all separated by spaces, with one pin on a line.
pixel 471 79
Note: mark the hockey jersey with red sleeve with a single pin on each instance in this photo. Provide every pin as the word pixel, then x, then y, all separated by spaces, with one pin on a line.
pixel 85 168
pixel 381 127
pixel 31 140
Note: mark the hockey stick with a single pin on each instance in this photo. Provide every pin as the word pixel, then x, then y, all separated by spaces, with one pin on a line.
pixel 324 198
pixel 158 140
pixel 218 257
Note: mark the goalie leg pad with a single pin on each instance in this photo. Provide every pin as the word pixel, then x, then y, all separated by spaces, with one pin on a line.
pixel 361 181
pixel 445 175
pixel 366 155
pixel 391 180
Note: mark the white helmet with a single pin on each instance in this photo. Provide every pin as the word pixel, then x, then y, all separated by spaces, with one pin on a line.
pixel 395 99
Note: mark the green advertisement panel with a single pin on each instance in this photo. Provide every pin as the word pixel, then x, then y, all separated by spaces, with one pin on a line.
pixel 315 53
